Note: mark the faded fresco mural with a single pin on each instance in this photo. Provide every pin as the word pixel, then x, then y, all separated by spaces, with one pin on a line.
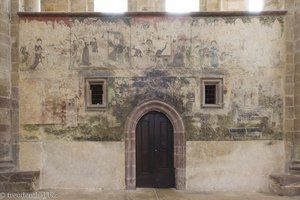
pixel 106 45
pixel 142 59
pixel 159 43
pixel 41 52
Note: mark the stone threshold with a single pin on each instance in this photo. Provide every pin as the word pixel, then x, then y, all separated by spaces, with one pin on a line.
pixel 153 14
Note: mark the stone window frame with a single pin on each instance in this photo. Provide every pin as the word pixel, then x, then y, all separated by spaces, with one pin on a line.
pixel 219 92
pixel 88 98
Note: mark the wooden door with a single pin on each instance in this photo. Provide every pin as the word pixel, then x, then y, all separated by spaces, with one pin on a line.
pixel 154 151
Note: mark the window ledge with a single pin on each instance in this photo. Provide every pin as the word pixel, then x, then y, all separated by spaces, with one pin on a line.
pixel 211 105
pixel 102 108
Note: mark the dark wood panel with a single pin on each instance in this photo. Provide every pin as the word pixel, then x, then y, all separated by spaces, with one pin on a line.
pixel 154 151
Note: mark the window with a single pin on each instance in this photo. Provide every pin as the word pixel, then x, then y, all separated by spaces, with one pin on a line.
pixel 110 6
pixel 212 93
pixel 95 93
pixel 255 5
pixel 182 6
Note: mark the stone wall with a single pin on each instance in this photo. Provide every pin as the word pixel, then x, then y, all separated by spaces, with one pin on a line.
pixel 15 6
pixel 292 84
pixel 289 80
pixel 146 5
pixel 9 105
pixel 274 4
pixel 234 5
pixel 297 81
pixel 59 5
pixel 31 5
pixel 9 58
pixel 147 58
pixel 67 5
pixel 6 152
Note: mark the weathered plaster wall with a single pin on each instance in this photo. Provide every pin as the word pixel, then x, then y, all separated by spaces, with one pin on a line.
pixel 233 166
pixel 79 165
pixel 146 58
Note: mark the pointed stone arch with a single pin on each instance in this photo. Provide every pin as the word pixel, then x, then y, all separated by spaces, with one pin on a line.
pixel 179 141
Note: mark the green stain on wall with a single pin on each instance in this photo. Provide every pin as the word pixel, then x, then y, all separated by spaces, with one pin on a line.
pixel 30 127
pixel 30 132
pixel 85 132
pixel 206 127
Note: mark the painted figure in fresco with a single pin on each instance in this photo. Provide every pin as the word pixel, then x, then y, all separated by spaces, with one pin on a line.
pixel 94 50
pixel 149 48
pixel 85 60
pixel 38 58
pixel 214 54
pixel 25 55
pixel 200 53
pixel 189 105
pixel 127 54
pixel 94 45
pixel 205 56
pixel 178 60
pixel 75 53
pixel 137 52
pixel 160 51
pixel 117 48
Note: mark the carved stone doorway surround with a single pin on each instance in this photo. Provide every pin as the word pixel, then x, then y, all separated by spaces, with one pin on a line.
pixel 179 142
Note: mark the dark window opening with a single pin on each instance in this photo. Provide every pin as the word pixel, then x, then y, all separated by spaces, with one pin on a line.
pixel 96 93
pixel 210 94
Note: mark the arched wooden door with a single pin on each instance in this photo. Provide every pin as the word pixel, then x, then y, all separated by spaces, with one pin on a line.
pixel 155 151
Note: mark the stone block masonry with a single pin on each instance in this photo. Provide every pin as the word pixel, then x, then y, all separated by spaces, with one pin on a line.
pixel 6 154
pixel 19 181
pixel 296 155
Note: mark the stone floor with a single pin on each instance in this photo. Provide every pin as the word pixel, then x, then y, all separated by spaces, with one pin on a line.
pixel 141 194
